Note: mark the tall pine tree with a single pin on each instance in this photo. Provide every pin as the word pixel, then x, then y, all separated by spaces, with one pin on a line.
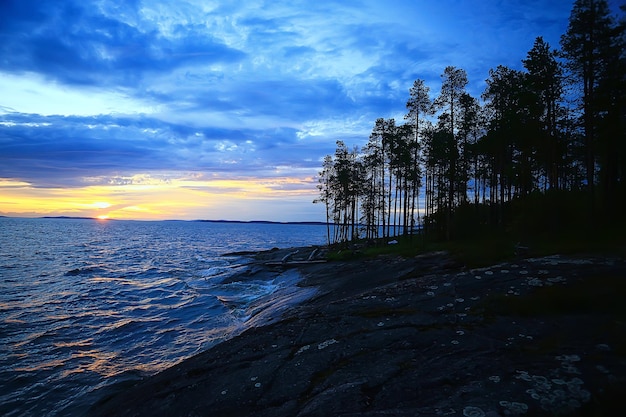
pixel 593 47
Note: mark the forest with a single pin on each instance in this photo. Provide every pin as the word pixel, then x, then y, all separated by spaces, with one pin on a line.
pixel 542 149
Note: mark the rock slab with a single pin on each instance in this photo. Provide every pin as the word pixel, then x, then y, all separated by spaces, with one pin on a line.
pixel 421 336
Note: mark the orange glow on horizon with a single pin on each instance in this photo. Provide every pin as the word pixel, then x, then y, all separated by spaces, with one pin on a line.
pixel 153 199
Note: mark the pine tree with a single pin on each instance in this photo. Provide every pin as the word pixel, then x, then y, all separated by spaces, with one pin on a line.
pixel 418 104
pixel 592 46
pixel 545 81
pixel 453 85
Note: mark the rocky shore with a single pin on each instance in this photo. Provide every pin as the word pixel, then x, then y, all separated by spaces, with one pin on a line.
pixel 422 336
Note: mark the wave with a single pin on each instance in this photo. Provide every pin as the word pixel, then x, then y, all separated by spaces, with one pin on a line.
pixel 86 303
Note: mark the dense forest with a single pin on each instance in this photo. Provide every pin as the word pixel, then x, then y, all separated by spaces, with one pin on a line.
pixel 542 149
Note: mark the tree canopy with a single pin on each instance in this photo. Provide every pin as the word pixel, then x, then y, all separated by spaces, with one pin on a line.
pixel 552 134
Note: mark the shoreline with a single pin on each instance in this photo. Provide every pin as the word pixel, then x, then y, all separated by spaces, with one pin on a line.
pixel 395 336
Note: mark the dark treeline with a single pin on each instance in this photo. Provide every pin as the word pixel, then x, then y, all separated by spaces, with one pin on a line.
pixel 543 147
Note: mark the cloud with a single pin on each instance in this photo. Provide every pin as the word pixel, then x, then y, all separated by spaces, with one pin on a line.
pixel 74 43
pixel 52 151
pixel 111 93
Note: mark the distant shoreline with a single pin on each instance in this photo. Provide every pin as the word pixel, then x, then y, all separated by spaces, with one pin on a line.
pixel 257 222
pixel 314 223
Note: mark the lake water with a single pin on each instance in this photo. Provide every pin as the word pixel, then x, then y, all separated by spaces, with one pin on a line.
pixel 86 304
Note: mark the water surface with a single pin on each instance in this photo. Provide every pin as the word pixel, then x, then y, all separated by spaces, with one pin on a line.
pixel 85 304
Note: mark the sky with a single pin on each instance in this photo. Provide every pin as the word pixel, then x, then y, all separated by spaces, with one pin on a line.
pixel 199 109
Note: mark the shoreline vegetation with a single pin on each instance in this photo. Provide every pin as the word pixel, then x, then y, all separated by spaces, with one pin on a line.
pixel 423 334
pixel 542 150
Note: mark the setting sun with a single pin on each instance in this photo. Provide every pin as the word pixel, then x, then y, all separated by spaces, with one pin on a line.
pixel 147 198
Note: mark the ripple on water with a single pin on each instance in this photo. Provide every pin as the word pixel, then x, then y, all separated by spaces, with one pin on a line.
pixel 86 304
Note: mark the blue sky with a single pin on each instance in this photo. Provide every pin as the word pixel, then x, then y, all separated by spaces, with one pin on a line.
pixel 222 110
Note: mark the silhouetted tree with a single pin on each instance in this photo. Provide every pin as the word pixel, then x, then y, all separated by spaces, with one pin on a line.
pixel 504 97
pixel 324 187
pixel 453 85
pixel 525 140
pixel 418 104
pixel 545 81
pixel 469 130
pixel 340 186
pixel 593 47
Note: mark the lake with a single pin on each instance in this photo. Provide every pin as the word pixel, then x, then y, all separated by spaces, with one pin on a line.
pixel 85 304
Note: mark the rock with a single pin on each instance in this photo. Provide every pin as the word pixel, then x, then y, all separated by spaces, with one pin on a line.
pixel 373 342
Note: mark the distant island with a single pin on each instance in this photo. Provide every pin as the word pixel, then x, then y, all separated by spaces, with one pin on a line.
pixel 69 217
pixel 199 220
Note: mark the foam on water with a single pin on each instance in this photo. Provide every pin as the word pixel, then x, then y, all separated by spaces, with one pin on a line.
pixel 85 304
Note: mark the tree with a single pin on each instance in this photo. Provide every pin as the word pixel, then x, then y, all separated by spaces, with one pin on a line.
pixel 453 85
pixel 376 157
pixel 511 152
pixel 324 187
pixel 419 103
pixel 469 127
pixel 545 81
pixel 407 177
pixel 611 101
pixel 592 46
pixel 505 142
pixel 340 186
pixel 380 149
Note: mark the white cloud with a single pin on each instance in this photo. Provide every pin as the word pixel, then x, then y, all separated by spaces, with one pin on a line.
pixel 32 93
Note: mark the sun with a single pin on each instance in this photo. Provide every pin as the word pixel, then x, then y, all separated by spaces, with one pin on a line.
pixel 103 217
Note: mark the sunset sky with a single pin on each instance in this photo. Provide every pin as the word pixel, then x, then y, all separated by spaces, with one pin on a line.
pixel 199 109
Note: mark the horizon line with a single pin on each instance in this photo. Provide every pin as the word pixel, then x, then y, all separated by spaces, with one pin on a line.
pixel 166 220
